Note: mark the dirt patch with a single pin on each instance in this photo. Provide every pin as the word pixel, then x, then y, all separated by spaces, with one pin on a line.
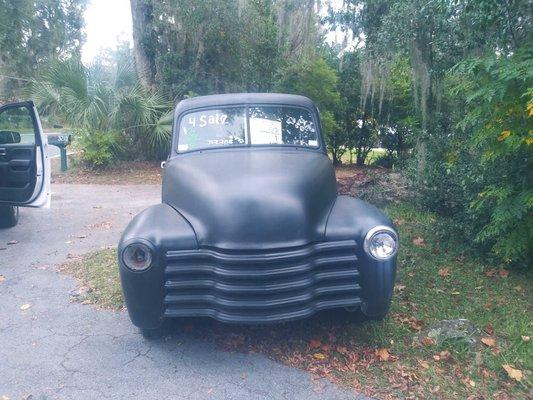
pixel 126 173
pixel 376 185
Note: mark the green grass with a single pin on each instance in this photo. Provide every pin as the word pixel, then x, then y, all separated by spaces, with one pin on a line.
pixel 465 291
pixel 373 155
pixel 502 303
pixel 98 271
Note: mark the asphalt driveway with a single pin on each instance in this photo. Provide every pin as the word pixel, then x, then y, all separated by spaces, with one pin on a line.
pixel 51 348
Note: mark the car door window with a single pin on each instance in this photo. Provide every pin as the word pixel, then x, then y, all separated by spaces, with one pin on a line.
pixel 20 155
pixel 16 126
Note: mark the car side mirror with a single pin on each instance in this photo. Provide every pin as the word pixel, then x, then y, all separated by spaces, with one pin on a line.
pixel 9 137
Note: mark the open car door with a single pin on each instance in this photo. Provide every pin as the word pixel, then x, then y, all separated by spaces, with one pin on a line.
pixel 24 162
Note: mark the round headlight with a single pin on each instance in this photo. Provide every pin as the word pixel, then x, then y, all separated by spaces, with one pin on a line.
pixel 381 243
pixel 137 256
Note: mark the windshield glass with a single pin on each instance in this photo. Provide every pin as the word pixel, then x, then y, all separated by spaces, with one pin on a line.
pixel 212 128
pixel 266 125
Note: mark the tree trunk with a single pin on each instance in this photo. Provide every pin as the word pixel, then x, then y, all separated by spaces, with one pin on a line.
pixel 142 18
pixel 360 157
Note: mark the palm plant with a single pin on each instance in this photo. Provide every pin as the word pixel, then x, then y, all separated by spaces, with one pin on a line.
pixel 100 100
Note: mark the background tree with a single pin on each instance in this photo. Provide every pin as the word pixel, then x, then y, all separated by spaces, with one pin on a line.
pixel 113 113
pixel 440 89
pixel 318 81
pixel 142 15
pixel 33 33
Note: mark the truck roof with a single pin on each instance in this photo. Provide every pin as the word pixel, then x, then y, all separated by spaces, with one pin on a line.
pixel 243 98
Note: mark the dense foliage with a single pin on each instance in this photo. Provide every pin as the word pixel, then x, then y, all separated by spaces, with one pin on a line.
pixel 32 33
pixel 111 110
pixel 448 85
pixel 189 46
pixel 441 89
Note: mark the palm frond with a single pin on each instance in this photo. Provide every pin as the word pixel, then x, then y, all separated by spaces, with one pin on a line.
pixel 86 98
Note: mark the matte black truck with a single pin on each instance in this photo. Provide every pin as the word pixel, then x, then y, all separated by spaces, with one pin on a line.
pixel 251 228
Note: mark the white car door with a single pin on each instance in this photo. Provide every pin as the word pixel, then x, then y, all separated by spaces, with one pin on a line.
pixel 24 162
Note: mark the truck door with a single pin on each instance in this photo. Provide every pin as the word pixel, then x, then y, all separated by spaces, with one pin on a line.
pixel 24 162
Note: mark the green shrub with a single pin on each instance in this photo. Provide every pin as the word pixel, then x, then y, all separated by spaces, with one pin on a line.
pixel 480 172
pixel 385 160
pixel 100 149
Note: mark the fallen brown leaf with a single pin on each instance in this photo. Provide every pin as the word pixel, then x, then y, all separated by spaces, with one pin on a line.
pixel 469 382
pixel 443 355
pixel 314 344
pixel 418 241
pixel 488 341
pixel 427 341
pixel 503 273
pixel 413 323
pixel 489 329
pixel 342 350
pixel 434 390
pixel 382 354
pixel 416 324
pixel 399 288
pixel 490 273
pixel 502 395
pixel 444 272
pixel 326 348
pixel 513 373
pixel 319 356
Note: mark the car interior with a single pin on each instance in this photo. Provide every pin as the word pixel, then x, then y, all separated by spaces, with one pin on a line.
pixel 18 154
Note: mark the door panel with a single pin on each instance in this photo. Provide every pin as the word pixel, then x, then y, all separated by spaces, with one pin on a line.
pixel 17 172
pixel 22 160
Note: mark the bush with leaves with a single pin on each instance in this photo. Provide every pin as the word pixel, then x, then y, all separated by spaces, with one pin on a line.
pixel 318 81
pixel 481 172
pixel 97 99
pixel 99 148
pixel 500 106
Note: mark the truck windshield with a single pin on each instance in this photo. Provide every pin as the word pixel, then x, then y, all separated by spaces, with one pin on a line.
pixel 254 125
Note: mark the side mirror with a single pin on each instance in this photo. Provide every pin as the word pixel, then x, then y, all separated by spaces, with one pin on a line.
pixel 9 137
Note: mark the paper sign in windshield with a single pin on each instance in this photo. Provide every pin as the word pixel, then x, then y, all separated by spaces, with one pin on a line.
pixel 265 131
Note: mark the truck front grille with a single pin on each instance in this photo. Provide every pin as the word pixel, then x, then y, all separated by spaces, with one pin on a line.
pixel 261 286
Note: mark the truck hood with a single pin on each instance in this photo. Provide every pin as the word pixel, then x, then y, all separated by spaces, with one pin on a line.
pixel 252 198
